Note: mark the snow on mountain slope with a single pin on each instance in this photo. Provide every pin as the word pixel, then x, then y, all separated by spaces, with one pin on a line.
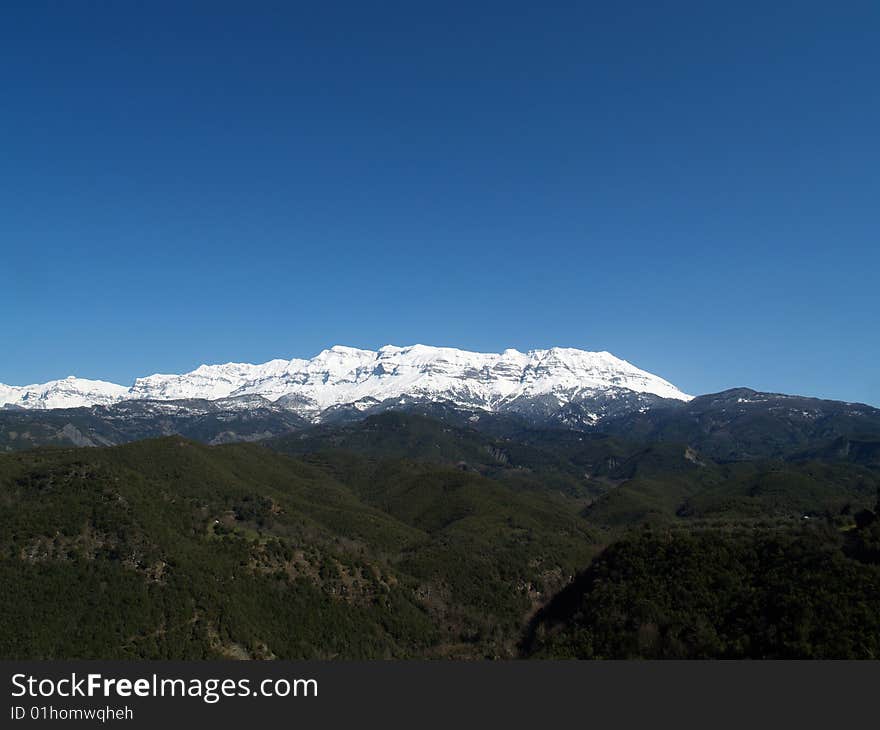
pixel 207 381
pixel 72 392
pixel 346 375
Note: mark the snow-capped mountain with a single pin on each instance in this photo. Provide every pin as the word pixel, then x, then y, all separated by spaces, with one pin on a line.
pixel 539 380
pixel 71 392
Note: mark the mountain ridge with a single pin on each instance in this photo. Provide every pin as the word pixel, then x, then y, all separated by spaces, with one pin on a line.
pixel 345 376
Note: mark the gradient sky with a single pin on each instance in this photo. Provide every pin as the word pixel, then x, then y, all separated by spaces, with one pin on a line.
pixel 691 186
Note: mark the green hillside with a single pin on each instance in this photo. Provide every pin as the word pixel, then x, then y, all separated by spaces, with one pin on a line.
pixel 168 548
pixel 403 536
pixel 766 594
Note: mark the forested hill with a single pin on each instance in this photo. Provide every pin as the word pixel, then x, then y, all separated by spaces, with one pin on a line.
pixel 403 536
pixel 757 594
pixel 168 548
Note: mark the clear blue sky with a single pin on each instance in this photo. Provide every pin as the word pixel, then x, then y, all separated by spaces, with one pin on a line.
pixel 692 186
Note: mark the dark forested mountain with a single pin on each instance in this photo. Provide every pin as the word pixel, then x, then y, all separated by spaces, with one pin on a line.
pixel 736 425
pixel 865 451
pixel 744 424
pixel 248 418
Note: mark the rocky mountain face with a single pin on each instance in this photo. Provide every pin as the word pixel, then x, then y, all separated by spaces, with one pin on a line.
pixel 569 386
pixel 212 422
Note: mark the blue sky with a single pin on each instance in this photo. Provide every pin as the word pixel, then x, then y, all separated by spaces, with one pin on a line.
pixel 693 187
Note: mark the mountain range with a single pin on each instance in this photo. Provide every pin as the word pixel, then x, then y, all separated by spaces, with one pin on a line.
pixel 498 393
pixel 347 377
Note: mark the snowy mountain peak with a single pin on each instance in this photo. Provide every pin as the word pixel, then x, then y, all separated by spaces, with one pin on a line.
pixel 70 392
pixel 340 375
